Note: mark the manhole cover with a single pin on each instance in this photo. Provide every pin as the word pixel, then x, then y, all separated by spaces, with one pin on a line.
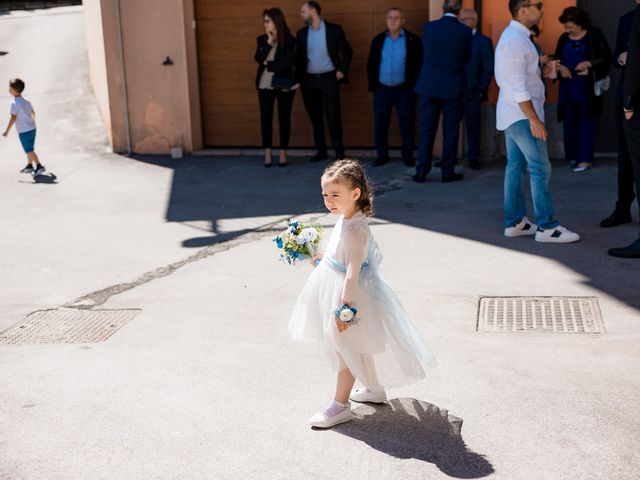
pixel 540 314
pixel 67 326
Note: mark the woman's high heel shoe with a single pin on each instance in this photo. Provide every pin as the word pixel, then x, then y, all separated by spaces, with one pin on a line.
pixel 582 167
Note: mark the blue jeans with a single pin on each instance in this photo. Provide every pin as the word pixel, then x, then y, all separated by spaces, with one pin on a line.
pixel 525 151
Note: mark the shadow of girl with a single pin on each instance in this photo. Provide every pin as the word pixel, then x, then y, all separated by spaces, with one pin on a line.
pixel 409 428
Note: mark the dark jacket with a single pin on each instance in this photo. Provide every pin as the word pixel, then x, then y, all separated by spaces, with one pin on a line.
pixel 632 72
pixel 413 61
pixel 599 54
pixel 283 64
pixel 339 49
pixel 447 50
pixel 622 45
pixel 479 71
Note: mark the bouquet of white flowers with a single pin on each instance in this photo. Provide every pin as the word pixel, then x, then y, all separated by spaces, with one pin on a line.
pixel 298 242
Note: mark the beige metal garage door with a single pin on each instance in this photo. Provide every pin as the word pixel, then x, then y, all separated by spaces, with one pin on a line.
pixel 226 45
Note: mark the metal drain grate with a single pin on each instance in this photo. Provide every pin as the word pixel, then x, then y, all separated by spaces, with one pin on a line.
pixel 67 326
pixel 540 314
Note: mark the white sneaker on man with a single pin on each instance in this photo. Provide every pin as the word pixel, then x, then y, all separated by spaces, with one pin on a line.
pixel 325 420
pixel 525 227
pixel 558 234
pixel 365 395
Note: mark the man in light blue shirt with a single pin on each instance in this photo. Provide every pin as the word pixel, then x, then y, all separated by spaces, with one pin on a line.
pixel 322 63
pixel 393 66
pixel 317 53
pixel 394 56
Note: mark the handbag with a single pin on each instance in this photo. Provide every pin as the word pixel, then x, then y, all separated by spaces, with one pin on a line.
pixel 282 83
pixel 601 86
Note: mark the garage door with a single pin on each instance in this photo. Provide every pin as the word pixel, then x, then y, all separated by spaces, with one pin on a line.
pixel 226 45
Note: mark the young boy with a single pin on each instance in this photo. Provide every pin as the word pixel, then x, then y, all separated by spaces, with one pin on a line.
pixel 23 116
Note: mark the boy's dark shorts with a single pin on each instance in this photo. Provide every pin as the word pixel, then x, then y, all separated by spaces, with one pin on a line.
pixel 28 140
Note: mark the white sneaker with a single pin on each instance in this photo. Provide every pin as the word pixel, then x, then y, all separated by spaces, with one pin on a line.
pixel 321 420
pixel 558 234
pixel 525 227
pixel 364 395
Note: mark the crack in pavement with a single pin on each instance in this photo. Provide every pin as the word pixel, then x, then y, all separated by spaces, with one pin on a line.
pixel 100 297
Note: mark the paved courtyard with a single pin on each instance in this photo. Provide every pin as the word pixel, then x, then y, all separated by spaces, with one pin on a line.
pixel 204 383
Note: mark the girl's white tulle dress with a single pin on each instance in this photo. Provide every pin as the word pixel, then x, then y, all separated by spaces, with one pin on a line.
pixel 384 349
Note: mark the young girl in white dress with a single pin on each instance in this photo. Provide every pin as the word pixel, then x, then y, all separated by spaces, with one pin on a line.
pixel 348 306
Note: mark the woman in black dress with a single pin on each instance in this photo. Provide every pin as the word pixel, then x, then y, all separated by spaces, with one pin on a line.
pixel 275 81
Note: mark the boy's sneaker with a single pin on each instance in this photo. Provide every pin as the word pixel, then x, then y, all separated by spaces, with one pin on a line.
pixel 525 227
pixel 27 169
pixel 365 395
pixel 558 234
pixel 39 170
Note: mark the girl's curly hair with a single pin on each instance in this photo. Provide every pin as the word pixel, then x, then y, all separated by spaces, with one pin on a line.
pixel 352 172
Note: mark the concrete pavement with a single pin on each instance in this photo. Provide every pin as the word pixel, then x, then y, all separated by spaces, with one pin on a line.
pixel 205 384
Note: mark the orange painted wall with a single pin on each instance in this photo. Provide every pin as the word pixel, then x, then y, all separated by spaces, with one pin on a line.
pixel 496 16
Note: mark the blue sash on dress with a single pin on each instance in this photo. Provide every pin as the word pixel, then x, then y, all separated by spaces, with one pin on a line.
pixel 341 267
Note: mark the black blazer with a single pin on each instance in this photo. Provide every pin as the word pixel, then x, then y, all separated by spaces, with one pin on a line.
pixel 412 64
pixel 622 45
pixel 283 64
pixel 599 54
pixel 339 49
pixel 632 72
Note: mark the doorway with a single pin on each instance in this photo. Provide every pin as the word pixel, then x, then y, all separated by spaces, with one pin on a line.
pixel 605 16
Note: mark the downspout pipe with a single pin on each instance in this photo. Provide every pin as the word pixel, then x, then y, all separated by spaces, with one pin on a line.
pixel 127 126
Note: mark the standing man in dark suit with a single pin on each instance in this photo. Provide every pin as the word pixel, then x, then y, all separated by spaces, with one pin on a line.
pixel 323 59
pixel 479 73
pixel 393 66
pixel 631 107
pixel 441 87
pixel 622 212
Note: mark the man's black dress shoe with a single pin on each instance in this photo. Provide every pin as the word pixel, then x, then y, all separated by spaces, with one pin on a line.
pixel 632 251
pixel 420 177
pixel 319 157
pixel 378 162
pixel 475 165
pixel 454 177
pixel 615 219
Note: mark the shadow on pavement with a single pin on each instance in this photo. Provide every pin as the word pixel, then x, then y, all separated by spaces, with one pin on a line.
pixel 44 179
pixel 224 197
pixel 48 178
pixel 409 428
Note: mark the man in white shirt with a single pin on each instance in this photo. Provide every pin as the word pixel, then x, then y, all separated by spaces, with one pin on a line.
pixel 520 114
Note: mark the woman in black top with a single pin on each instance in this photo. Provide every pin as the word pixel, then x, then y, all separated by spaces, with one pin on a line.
pixel 275 80
pixel 585 58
